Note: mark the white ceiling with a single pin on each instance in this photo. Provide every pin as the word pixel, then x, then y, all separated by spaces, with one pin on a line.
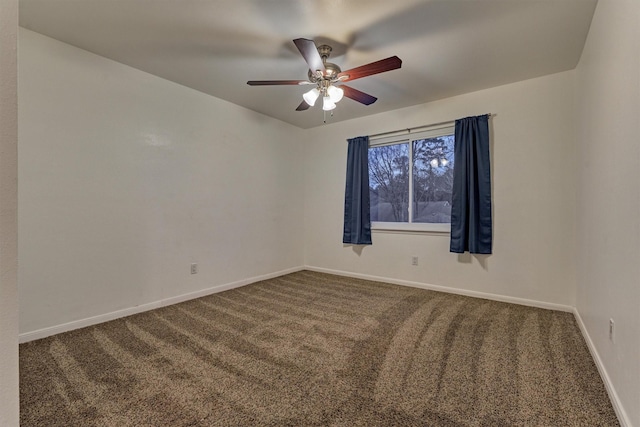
pixel 448 47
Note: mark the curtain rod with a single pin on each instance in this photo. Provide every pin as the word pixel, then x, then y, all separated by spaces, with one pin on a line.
pixel 409 130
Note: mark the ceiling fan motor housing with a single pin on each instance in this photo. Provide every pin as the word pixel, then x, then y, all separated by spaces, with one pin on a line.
pixel 331 70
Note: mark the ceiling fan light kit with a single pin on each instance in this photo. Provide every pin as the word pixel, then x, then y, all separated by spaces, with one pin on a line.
pixel 335 93
pixel 311 96
pixel 328 104
pixel 329 78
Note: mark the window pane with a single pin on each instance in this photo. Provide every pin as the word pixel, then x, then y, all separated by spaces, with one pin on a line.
pixel 389 182
pixel 432 179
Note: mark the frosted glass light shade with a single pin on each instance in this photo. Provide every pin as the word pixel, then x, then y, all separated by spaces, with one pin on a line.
pixel 328 104
pixel 311 96
pixel 335 93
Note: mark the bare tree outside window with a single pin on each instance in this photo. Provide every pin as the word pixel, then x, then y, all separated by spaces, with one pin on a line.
pixel 429 168
pixel 389 182
pixel 432 179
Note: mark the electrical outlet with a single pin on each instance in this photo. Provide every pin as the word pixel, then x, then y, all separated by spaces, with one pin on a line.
pixel 611 329
pixel 194 268
pixel 414 260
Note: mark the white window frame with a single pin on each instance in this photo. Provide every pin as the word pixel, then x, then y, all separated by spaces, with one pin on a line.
pixel 408 138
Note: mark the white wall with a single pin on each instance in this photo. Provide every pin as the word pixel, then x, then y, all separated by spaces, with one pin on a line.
pixel 8 214
pixel 126 179
pixel 608 107
pixel 533 193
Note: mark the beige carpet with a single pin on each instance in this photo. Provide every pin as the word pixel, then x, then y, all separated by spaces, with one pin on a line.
pixel 311 349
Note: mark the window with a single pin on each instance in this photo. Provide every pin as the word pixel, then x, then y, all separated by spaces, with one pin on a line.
pixel 410 181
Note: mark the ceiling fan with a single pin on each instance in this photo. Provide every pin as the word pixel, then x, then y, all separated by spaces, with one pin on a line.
pixel 328 78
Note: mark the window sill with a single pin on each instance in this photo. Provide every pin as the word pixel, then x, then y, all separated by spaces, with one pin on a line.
pixel 398 227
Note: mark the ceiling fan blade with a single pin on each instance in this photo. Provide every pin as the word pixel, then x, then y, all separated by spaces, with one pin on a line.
pixel 276 82
pixel 303 106
pixel 310 54
pixel 381 66
pixel 356 95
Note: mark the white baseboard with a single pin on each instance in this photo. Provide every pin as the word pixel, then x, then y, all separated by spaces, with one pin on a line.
pixel 623 418
pixel 475 294
pixel 82 323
